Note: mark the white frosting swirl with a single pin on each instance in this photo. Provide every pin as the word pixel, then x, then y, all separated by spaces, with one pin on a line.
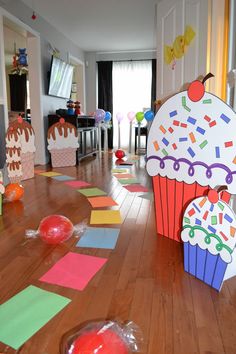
pixel 62 142
pixel 194 142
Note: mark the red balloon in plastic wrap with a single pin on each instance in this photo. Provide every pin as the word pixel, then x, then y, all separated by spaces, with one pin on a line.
pixel 13 192
pixel 120 154
pixel 100 342
pixel 55 229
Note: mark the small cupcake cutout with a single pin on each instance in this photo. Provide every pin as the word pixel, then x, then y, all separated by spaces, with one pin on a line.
pixel 209 236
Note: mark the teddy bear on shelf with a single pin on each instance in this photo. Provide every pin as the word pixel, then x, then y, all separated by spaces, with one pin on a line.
pixel 77 106
pixel 70 107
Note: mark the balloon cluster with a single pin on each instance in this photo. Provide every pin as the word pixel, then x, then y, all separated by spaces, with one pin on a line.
pixel 102 116
pixel 148 115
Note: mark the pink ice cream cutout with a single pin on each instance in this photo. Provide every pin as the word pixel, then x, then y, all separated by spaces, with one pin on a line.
pixel 208 233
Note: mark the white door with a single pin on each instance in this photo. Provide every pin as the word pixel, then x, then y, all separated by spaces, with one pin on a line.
pixel 172 18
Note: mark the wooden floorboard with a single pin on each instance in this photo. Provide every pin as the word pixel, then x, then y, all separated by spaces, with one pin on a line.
pixel 143 280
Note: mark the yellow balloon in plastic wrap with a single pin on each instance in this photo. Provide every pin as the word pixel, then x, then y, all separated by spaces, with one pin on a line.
pixel 189 34
pixel 179 47
pixel 168 54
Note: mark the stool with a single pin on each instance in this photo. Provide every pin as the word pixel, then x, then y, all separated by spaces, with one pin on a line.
pixel 143 132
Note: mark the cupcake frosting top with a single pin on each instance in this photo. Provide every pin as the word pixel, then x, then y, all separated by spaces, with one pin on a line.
pixel 210 224
pixel 62 135
pixel 194 141
pixel 21 134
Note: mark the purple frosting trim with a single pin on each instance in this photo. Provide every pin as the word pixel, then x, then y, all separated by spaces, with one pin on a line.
pixel 191 171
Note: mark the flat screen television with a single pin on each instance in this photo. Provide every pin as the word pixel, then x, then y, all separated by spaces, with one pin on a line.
pixel 60 80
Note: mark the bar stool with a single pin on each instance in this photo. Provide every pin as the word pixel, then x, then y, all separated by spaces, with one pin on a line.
pixel 143 132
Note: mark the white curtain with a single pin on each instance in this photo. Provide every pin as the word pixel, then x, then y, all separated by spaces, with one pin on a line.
pixel 131 92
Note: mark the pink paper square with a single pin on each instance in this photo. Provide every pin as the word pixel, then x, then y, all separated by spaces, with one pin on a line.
pixel 136 188
pixel 74 270
pixel 77 184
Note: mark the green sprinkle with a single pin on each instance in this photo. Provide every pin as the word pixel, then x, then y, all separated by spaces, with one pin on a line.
pixel 203 144
pixel 164 152
pixel 221 206
pixel 187 108
pixel 187 220
pixel 183 101
pixel 207 101
pixel 214 220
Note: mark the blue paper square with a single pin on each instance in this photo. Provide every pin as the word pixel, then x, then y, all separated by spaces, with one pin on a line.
pixel 63 178
pixel 99 237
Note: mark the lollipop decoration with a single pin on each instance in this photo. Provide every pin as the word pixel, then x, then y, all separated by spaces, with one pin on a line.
pixel 107 119
pixel 119 117
pixel 139 118
pixel 131 116
pixel 99 117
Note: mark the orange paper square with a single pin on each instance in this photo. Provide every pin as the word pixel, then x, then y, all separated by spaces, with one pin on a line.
pixel 101 202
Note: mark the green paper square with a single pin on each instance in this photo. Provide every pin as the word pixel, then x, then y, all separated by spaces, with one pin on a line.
pixel 128 180
pixel 26 312
pixel 90 192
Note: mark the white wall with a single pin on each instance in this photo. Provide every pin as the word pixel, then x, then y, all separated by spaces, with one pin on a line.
pixel 48 34
pixel 91 70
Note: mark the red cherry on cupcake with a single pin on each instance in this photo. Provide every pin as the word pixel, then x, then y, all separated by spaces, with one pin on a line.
pixel 213 196
pixel 196 89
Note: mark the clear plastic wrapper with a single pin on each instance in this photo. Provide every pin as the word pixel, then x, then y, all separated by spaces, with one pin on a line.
pixel 105 337
pixel 55 229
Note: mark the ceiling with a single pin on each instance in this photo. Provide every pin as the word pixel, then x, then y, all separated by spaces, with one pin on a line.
pixel 102 25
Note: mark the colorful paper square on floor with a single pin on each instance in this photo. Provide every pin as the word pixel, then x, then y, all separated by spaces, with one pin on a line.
pixel 136 188
pixel 99 202
pixel 91 192
pixel 119 170
pixel 128 180
pixel 37 171
pixel 74 270
pixel 77 184
pixel 123 175
pixel 63 178
pixel 99 237
pixel 26 312
pixel 105 217
pixel 50 174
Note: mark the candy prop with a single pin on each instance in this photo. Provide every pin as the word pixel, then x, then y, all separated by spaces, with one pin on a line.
pixel 191 148
pixel 139 118
pixel 20 149
pixel 99 117
pixel 13 192
pixel 208 233
pixel 55 229
pixel 108 337
pixel 62 143
pixel 120 154
pixel 178 49
pixel 119 117
pixel 131 116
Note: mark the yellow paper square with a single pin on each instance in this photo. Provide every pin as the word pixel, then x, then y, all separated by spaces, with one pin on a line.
pixel 105 217
pixel 50 174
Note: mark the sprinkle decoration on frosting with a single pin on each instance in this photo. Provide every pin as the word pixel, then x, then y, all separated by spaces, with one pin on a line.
pixel 210 223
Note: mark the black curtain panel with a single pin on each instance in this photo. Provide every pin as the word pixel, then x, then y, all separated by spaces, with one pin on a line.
pixel 18 92
pixel 105 100
pixel 154 75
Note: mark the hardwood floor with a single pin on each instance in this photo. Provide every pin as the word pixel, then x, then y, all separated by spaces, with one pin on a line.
pixel 143 279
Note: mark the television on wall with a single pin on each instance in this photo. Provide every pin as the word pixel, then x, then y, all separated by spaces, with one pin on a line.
pixel 60 80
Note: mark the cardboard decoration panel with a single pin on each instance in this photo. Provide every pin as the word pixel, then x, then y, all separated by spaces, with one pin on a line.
pixel 191 148
pixel 20 149
pixel 208 233
pixel 62 143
